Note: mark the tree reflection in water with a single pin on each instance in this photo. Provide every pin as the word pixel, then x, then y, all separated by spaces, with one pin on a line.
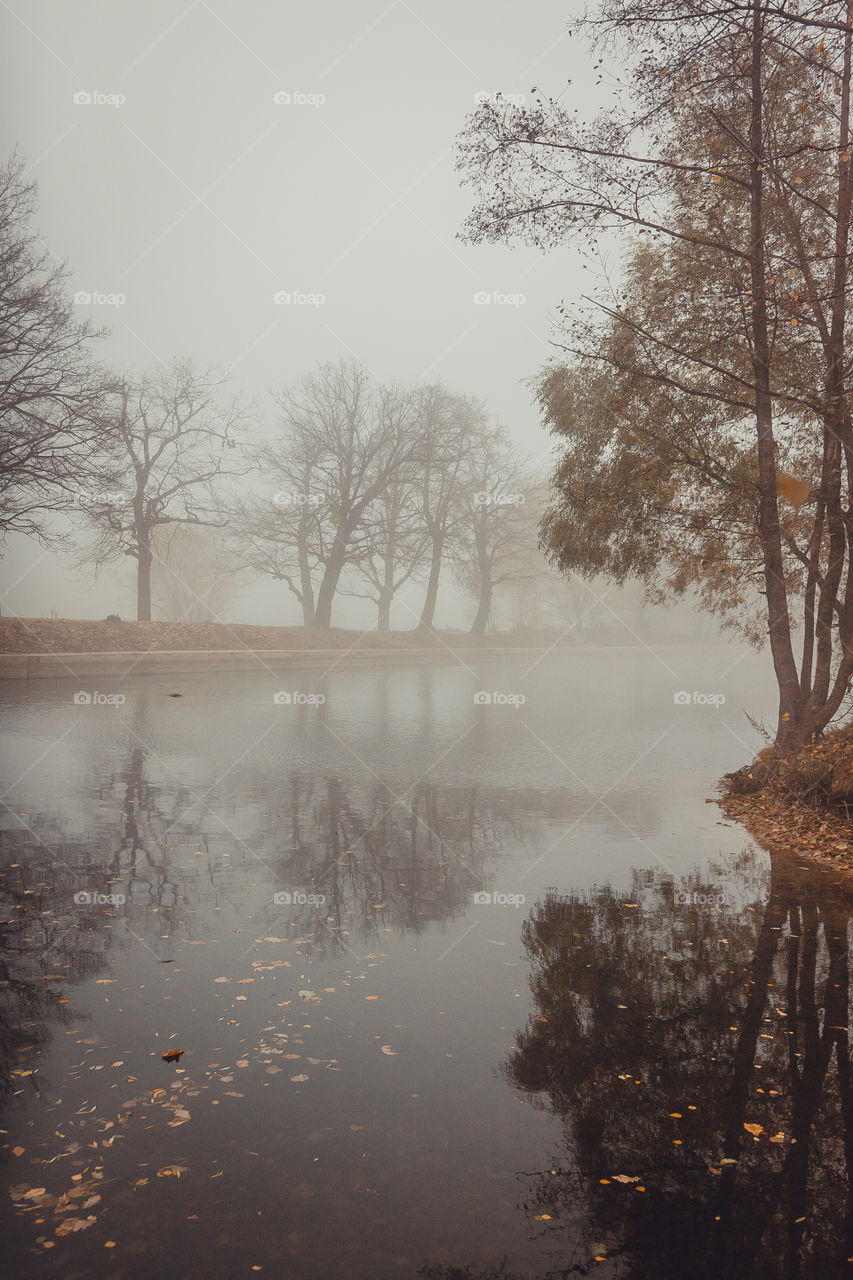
pixel 697 1053
pixel 382 862
pixel 661 1030
pixel 700 1052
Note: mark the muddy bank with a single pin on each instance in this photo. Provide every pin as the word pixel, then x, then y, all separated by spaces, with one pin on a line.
pixel 801 804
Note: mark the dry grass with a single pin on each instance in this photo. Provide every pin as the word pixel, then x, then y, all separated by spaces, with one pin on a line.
pixel 68 635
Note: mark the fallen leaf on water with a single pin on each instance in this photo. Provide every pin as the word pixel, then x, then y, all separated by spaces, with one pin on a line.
pixel 299 1079
pixel 68 1225
pixel 172 1170
pixel 173 1055
pixel 386 1048
pixel 18 1151
pixel 754 1129
pixel 623 1177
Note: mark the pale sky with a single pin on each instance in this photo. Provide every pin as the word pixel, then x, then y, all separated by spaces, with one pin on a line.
pixel 184 188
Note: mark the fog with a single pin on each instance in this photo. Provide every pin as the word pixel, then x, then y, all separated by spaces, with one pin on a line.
pixel 194 162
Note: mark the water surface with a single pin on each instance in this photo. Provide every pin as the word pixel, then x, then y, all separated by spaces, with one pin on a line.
pixel 462 987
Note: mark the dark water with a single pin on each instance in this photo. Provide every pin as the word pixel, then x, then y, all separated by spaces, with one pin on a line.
pixel 630 1060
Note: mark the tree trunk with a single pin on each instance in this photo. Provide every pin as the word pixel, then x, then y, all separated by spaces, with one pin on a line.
pixel 825 700
pixel 788 726
pixel 428 611
pixel 143 577
pixel 308 614
pixel 481 621
pixel 329 585
pixel 307 591
pixel 386 599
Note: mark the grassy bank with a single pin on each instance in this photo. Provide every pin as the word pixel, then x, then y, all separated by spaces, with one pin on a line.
pixel 68 635
pixel 801 803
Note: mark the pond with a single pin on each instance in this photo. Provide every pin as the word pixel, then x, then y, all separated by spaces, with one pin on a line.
pixel 445 971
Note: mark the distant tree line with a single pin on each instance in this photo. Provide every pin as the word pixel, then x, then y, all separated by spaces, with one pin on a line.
pixel 361 489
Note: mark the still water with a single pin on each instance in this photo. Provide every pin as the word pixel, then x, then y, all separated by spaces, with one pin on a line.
pixel 461 986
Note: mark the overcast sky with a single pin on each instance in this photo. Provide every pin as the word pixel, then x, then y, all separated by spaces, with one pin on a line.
pixel 186 189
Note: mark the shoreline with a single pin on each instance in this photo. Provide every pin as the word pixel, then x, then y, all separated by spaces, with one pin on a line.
pixel 120 662
pixel 795 831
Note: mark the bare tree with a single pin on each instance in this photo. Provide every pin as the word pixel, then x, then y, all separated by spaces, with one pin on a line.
pixel 395 542
pixel 197 578
pixel 52 395
pixel 175 436
pixel 343 442
pixel 447 426
pixel 499 533
pixel 285 534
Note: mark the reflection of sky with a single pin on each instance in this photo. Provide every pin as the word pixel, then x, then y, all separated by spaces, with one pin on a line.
pixel 598 731
pixel 201 956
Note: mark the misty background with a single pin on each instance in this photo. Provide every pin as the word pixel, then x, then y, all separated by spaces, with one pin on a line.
pixel 194 161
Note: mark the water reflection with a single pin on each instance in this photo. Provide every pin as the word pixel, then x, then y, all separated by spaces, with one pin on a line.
pixel 358 859
pixel 688 1037
pixel 698 1057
